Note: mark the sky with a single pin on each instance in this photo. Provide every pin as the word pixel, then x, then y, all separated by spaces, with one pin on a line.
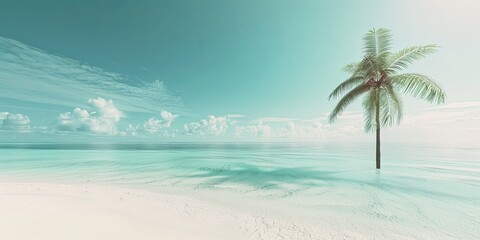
pixel 222 70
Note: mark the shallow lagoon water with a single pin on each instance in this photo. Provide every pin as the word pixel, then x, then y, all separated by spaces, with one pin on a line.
pixel 420 193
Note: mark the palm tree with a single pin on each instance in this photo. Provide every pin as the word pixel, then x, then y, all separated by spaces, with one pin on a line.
pixel 378 76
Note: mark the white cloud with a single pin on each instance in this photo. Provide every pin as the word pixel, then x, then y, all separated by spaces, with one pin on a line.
pixel 213 125
pixel 131 130
pixel 258 130
pixel 216 125
pixel 192 128
pixel 168 117
pixel 153 125
pixel 102 119
pixel 311 129
pixel 275 128
pixel 12 121
pixel 106 109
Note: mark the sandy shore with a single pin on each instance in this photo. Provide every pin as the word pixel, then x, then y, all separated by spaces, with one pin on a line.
pixel 88 211
pixel 55 211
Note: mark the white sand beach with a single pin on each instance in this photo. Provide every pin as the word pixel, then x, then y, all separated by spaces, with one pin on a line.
pixel 56 211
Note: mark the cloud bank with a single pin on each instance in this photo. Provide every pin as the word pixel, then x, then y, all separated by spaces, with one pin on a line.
pixel 211 126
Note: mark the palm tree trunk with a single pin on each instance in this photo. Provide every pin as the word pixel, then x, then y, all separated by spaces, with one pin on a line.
pixel 378 148
pixel 377 121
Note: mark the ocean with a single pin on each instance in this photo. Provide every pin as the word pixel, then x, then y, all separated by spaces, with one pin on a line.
pixel 421 192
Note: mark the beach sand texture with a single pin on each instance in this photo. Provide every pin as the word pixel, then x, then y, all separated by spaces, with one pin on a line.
pixel 55 211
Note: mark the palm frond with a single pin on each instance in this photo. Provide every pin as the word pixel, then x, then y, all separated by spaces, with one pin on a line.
pixel 364 67
pixel 390 107
pixel 345 86
pixel 369 106
pixel 419 86
pixel 377 42
pixel 351 67
pixel 369 67
pixel 396 100
pixel 403 58
pixel 346 100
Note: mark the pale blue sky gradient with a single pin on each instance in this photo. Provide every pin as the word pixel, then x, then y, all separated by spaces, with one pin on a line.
pixel 252 65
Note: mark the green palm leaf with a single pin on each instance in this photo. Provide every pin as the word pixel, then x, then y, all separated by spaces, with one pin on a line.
pixel 369 104
pixel 390 107
pixel 419 86
pixel 347 99
pixel 377 42
pixel 403 58
pixel 351 67
pixel 346 85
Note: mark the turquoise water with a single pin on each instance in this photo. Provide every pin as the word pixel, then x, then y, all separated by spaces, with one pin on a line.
pixel 420 193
